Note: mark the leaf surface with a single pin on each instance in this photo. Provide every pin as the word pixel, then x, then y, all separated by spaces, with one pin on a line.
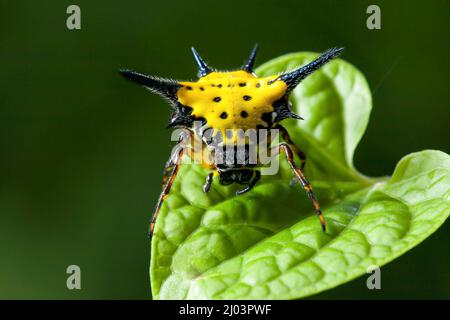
pixel 267 243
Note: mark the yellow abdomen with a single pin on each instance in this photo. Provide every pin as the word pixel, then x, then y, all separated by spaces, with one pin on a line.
pixel 232 100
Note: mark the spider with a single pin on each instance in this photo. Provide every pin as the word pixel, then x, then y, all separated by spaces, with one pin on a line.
pixel 224 102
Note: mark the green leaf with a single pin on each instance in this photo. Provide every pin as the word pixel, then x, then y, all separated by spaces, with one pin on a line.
pixel 268 244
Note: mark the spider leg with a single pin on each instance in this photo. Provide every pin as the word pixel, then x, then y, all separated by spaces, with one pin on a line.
pixel 287 149
pixel 209 180
pixel 251 184
pixel 171 171
pixel 288 140
pixel 168 169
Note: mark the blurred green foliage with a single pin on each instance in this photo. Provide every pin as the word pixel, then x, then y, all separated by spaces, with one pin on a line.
pixel 82 150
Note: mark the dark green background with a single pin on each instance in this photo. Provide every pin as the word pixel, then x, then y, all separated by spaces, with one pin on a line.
pixel 82 150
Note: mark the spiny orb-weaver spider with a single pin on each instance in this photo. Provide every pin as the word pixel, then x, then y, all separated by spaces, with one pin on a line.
pixel 231 100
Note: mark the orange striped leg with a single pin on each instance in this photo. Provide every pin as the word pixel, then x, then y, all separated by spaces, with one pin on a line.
pixel 297 151
pixel 171 172
pixel 167 171
pixel 301 177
